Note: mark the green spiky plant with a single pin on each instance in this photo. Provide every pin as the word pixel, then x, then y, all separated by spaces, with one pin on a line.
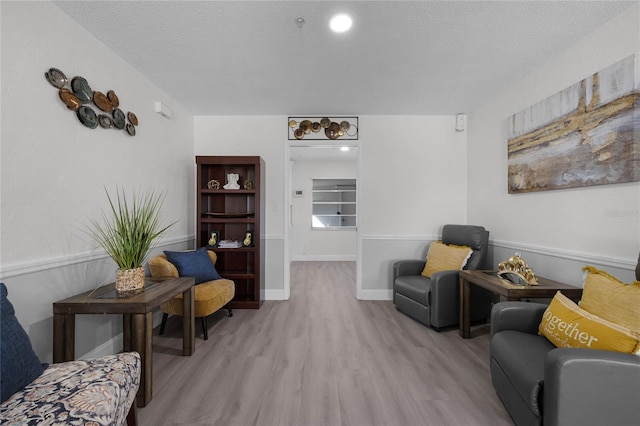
pixel 131 228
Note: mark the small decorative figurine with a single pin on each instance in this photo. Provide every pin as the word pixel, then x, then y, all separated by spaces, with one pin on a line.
pixel 516 270
pixel 213 184
pixel 248 239
pixel 232 181
pixel 215 237
pixel 248 184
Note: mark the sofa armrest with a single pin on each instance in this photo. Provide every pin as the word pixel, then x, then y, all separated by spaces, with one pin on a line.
pixel 591 387
pixel 104 388
pixel 407 267
pixel 517 316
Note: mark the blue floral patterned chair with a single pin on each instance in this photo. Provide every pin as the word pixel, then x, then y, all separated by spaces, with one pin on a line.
pixel 99 391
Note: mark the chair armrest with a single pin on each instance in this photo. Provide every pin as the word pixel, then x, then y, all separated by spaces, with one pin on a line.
pixel 160 267
pixel 517 316
pixel 407 267
pixel 445 298
pixel 591 387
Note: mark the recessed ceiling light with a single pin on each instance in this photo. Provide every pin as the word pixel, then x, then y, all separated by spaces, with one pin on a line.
pixel 340 23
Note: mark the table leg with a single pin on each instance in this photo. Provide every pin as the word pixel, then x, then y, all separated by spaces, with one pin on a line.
pixel 127 330
pixel 142 343
pixel 64 337
pixel 465 309
pixel 188 322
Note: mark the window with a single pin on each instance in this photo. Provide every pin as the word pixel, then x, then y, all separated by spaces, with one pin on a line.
pixel 334 204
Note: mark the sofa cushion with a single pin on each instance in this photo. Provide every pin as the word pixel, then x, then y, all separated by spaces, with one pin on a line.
pixel 196 264
pixel 568 326
pixel 19 363
pixel 443 257
pixel 521 357
pixel 209 297
pixel 609 298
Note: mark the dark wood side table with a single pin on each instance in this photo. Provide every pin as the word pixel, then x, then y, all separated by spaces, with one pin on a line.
pixel 137 321
pixel 491 281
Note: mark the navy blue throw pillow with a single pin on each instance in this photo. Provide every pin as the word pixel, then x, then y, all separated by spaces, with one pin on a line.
pixel 196 264
pixel 19 363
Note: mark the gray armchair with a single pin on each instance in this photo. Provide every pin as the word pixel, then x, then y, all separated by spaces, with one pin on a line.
pixel 435 301
pixel 540 384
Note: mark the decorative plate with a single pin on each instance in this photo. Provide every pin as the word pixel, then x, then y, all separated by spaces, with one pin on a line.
pixel 113 98
pixel 132 118
pixel 118 118
pixel 105 121
pixel 81 89
pixel 70 100
pixel 131 129
pixel 56 78
pixel 87 116
pixel 102 101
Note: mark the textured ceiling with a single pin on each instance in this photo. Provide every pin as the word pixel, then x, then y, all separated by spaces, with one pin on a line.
pixel 400 57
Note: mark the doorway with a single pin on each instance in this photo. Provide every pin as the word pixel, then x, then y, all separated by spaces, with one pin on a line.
pixel 302 241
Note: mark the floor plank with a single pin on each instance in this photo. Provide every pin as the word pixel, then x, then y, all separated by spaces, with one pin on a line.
pixel 322 358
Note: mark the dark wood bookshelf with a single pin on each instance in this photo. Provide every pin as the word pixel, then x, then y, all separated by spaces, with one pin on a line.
pixel 232 213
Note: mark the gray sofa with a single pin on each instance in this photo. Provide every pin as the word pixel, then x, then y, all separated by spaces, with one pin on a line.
pixel 435 301
pixel 540 384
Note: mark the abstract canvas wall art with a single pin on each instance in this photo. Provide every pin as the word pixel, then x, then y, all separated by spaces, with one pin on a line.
pixel 587 134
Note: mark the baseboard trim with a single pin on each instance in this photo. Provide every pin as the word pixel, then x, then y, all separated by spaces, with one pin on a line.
pixel 40 265
pixel 324 258
pixel 369 294
pixel 274 295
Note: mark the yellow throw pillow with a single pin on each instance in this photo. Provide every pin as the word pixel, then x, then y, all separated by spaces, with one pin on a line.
pixel 443 257
pixel 609 298
pixel 568 326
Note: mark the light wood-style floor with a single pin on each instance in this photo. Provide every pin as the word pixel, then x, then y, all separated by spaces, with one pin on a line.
pixel 322 358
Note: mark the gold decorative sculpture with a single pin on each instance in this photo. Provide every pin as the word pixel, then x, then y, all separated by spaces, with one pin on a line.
pixel 515 270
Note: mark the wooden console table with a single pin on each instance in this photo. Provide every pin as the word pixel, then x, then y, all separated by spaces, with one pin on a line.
pixel 137 321
pixel 489 280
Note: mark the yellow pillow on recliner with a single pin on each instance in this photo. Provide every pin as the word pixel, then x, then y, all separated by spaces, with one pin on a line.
pixel 568 326
pixel 445 257
pixel 609 298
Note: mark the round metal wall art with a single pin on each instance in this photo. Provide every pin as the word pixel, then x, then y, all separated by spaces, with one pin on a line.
pixel 118 118
pixel 105 121
pixel 56 78
pixel 322 128
pixel 87 116
pixel 70 100
pixel 78 96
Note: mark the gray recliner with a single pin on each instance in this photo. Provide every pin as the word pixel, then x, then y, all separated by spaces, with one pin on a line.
pixel 540 384
pixel 435 301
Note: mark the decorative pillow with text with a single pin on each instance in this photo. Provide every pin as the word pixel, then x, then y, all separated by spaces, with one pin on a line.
pixel 568 326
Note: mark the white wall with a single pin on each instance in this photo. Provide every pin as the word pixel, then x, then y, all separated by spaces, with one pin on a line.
pixel 564 229
pixel 54 169
pixel 413 180
pixel 307 243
